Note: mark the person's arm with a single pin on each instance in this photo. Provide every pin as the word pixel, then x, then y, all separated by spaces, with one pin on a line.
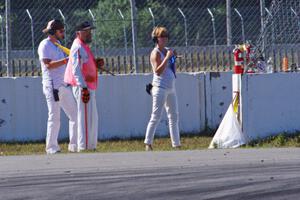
pixel 52 64
pixel 158 64
pixel 78 61
pixel 46 55
pixel 99 63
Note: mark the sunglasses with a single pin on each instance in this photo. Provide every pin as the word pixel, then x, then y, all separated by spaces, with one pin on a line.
pixel 164 36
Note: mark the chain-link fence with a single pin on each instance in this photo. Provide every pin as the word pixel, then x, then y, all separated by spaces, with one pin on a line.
pixel 280 35
pixel 203 31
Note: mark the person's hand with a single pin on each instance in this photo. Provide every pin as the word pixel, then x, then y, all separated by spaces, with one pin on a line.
pixel 99 62
pixel 175 53
pixel 169 54
pixel 85 95
pixel 66 60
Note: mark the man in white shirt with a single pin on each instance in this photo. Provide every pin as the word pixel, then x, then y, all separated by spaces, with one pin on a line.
pixel 58 94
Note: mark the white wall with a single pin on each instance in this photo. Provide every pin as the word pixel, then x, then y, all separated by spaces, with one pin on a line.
pixel 23 111
pixel 271 104
pixel 125 108
pixel 123 105
pixel 218 96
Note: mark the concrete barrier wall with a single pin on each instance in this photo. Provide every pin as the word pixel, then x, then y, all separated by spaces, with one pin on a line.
pixel 125 108
pixel 23 110
pixel 218 87
pixel 123 105
pixel 270 104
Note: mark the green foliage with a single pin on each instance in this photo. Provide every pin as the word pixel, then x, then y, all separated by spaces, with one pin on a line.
pixel 280 140
pixel 110 25
pixel 109 22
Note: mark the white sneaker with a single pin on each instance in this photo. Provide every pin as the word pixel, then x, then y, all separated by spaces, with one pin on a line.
pixel 81 150
pixel 72 148
pixel 177 147
pixel 51 152
pixel 148 147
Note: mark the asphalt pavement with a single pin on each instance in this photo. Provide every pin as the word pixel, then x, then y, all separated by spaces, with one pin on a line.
pixel 205 174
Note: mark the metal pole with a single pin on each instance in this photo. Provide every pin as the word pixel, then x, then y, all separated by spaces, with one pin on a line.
pixel 95 34
pixel 64 20
pixel 228 22
pixel 2 38
pixel 298 19
pixel 8 38
pixel 272 25
pixel 185 28
pixel 214 34
pixel 125 35
pixel 134 34
pixel 262 21
pixel 32 34
pixel 214 28
pixel 153 20
pixel 242 22
pixel 273 42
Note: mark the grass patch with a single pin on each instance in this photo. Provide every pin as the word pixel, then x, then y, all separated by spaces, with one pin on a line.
pixel 281 140
pixel 189 142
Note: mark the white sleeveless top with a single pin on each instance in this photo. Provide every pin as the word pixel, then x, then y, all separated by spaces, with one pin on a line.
pixel 166 79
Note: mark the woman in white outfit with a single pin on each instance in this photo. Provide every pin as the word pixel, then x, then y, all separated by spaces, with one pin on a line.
pixel 163 91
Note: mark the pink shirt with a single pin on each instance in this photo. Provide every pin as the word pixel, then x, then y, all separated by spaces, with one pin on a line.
pixel 81 69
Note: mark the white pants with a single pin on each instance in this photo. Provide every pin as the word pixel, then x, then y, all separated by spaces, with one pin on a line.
pixel 164 98
pixel 87 116
pixel 68 104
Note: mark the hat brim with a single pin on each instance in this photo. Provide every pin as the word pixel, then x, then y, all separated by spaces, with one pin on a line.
pixel 45 30
pixel 87 28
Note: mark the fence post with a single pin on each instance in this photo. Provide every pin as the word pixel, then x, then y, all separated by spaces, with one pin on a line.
pixel 134 34
pixel 8 39
pixel 124 32
pixel 185 35
pixel 185 29
pixel 119 65
pixel 242 23
pixel 228 22
pixel 95 34
pixel 153 20
pixel 262 21
pixel 215 40
pixel 213 25
pixel 32 34
pixel 64 20
pixel 2 40
pixel 272 25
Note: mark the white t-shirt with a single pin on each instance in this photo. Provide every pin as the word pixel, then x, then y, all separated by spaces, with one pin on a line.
pixel 51 77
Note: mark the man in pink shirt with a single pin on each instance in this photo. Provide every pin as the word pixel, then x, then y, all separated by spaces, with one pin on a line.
pixel 82 74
